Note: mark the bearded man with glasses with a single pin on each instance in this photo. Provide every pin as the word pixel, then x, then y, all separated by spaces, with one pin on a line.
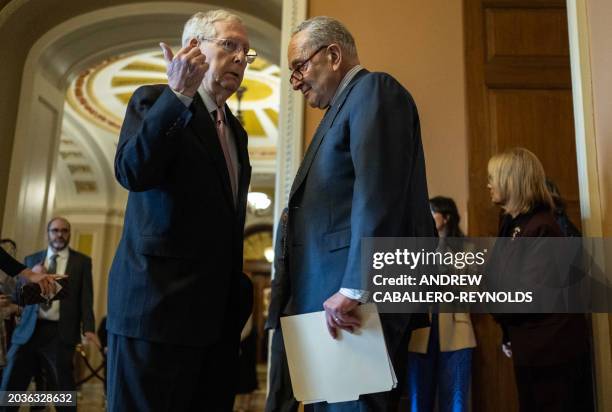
pixel 177 299
pixel 44 340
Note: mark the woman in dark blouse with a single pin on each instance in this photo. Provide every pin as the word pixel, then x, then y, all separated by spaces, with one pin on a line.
pixel 550 351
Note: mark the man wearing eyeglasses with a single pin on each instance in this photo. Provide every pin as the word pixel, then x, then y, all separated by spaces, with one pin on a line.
pixel 177 296
pixel 363 175
pixel 47 334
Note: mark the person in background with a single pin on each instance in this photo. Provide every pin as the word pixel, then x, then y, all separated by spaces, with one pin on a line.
pixel 247 368
pixel 280 392
pixel 8 283
pixel 549 351
pixel 565 224
pixel 7 308
pixel 440 356
pixel 48 332
pixel 10 268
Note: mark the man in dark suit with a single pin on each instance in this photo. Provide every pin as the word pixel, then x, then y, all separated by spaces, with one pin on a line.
pixel 47 334
pixel 363 175
pixel 177 296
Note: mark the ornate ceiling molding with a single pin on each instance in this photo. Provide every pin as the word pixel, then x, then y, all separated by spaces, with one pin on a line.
pixel 100 95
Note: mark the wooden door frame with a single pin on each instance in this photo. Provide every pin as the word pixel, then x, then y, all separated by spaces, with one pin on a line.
pixel 588 181
pixel 591 201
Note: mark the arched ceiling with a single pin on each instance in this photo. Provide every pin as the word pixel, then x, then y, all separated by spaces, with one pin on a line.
pixel 136 26
pixel 46 46
pixel 101 94
pixel 96 101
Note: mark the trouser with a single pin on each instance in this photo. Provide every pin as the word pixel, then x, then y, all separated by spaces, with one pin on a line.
pixel 151 376
pixel 43 352
pixel 447 374
pixel 281 398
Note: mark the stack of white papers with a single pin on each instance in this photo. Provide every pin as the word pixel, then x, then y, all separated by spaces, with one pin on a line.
pixel 336 370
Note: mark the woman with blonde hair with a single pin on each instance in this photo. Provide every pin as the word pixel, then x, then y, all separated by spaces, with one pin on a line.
pixel 549 351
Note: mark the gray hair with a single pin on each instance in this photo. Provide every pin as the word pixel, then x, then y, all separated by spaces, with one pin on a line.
pixel 203 24
pixel 324 30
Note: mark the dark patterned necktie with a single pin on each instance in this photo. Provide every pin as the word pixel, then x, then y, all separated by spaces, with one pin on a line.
pixel 51 269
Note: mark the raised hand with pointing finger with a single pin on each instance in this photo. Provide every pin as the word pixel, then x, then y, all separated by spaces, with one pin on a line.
pixel 184 158
pixel 185 70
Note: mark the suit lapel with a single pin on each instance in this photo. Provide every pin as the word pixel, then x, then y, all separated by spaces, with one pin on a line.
pixel 39 259
pixel 70 264
pixel 324 126
pixel 312 150
pixel 72 271
pixel 241 140
pixel 205 130
pixel 42 256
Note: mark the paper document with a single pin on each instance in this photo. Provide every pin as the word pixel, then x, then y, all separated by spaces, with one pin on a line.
pixel 51 295
pixel 336 370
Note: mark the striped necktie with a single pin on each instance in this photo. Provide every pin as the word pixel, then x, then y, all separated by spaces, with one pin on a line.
pixel 51 269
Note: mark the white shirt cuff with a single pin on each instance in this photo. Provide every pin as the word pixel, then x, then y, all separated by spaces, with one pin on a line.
pixel 356 294
pixel 185 99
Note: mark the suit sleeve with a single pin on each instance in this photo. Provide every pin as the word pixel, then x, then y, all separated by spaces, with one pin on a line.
pixel 147 145
pixel 29 262
pixel 386 151
pixel 9 265
pixel 87 315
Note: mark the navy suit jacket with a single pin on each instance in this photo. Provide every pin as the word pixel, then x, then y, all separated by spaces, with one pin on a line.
pixel 363 175
pixel 179 261
pixel 76 310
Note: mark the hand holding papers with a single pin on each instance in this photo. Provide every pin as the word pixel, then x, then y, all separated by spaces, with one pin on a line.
pixel 31 293
pixel 336 370
pixel 340 314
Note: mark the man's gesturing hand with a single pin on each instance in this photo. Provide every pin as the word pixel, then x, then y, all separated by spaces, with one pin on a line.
pixel 185 70
pixel 340 313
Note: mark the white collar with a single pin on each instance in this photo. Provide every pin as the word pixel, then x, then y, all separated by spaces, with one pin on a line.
pixel 209 102
pixel 62 253
pixel 345 81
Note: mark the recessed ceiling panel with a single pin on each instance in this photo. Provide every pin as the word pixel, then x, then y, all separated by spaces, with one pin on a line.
pixel 101 93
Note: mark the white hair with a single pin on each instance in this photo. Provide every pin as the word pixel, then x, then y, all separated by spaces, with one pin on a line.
pixel 324 30
pixel 203 24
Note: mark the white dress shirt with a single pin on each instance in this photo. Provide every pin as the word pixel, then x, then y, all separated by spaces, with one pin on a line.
pixel 62 260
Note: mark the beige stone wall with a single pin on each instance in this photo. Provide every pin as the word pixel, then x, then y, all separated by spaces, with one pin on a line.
pixel 420 43
pixel 600 33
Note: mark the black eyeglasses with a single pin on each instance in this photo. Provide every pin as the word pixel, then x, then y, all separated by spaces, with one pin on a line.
pixel 56 231
pixel 297 74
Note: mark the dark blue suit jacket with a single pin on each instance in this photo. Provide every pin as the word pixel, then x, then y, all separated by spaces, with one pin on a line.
pixel 179 261
pixel 363 175
pixel 76 310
